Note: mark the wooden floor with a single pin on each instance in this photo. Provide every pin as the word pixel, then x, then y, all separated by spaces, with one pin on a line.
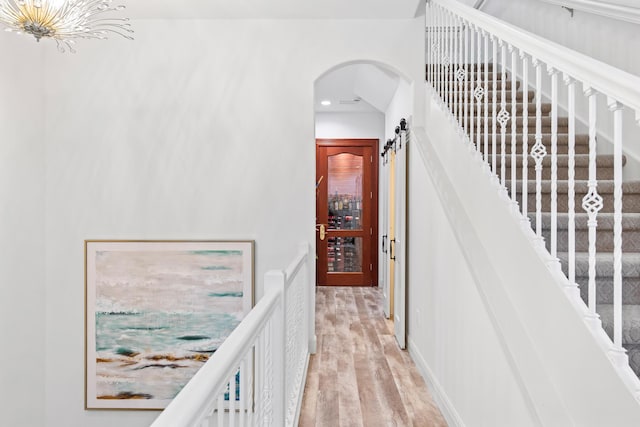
pixel 359 377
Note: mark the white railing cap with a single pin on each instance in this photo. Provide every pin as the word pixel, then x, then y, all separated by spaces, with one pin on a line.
pixel 604 78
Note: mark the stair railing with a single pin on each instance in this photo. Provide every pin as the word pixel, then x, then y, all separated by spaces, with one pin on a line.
pixel 474 65
pixel 257 376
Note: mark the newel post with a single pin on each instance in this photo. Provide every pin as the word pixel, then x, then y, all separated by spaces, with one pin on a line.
pixel 274 281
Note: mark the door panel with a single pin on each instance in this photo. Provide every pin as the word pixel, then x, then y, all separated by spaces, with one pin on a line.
pixel 391 278
pixel 346 210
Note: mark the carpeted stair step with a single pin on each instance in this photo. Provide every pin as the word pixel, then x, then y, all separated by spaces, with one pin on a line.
pixel 604 167
pixel 630 200
pixel 604 230
pixel 482 73
pixel 604 276
pixel 456 86
pixel 545 108
pixel 443 69
pixel 630 330
pixel 581 143
pixel 545 123
pixel 519 96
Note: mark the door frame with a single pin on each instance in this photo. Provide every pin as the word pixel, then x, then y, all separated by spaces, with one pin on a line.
pixel 360 142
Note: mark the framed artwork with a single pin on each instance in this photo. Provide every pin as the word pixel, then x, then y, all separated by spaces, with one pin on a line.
pixel 155 311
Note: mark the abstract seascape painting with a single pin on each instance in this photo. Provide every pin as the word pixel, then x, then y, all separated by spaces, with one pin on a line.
pixel 155 312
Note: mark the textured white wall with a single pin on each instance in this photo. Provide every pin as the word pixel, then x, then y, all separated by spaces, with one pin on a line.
pixel 195 130
pixel 22 284
pixel 350 125
pixel 605 39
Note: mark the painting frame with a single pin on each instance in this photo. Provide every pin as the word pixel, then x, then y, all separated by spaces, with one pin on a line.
pixel 174 288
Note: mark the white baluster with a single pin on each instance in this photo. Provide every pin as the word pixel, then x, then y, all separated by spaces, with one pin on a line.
pixel 478 94
pixel 468 100
pixel 449 62
pixel 441 47
pixel 571 192
pixel 466 66
pixel 454 70
pixel 244 388
pixel 232 400
pixel 486 98
pixel 616 108
pixel 503 114
pixel 554 161
pixel 592 202
pixel 429 13
pixel 538 151
pixel 221 410
pixel 514 115
pixel 437 50
pixel 494 109
pixel 459 74
pixel 525 137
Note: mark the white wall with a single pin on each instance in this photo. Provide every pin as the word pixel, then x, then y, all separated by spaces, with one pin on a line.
pixel 350 125
pixel 605 39
pixel 195 130
pixel 22 282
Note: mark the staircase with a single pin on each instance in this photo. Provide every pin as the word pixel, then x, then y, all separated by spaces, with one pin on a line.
pixel 605 218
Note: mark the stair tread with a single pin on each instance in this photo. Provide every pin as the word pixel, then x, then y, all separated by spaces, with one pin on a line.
pixel 604 263
pixel 630 221
pixel 604 186
pixel 581 160
pixel 630 321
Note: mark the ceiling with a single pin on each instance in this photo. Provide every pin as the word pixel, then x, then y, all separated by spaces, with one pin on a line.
pixel 271 9
pixel 356 88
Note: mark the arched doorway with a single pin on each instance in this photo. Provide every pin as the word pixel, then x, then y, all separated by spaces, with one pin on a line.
pixel 358 105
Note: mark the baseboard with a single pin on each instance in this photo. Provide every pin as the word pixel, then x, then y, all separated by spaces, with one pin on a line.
pixel 449 412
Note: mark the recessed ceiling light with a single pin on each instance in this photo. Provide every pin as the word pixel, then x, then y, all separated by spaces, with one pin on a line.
pixel 325 102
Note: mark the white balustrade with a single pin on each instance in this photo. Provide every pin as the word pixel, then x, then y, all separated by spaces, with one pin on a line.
pixel 470 51
pixel 257 376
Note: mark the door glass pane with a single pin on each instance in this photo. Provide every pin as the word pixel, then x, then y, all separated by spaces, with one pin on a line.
pixel 344 255
pixel 344 185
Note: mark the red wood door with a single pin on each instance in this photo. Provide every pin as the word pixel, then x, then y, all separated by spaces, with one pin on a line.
pixel 347 212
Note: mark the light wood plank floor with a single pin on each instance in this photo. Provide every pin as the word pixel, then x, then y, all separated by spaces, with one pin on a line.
pixel 359 377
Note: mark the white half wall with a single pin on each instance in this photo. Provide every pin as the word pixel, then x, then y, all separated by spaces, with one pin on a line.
pixel 451 336
pixel 491 320
pixel 196 130
pixel 22 245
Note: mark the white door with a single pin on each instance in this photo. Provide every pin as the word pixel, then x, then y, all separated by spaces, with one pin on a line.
pixel 384 257
pixel 400 244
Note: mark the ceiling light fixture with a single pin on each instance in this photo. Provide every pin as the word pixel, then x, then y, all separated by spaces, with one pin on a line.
pixel 325 102
pixel 63 20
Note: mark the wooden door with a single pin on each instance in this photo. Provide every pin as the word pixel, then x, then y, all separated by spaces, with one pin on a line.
pixel 347 212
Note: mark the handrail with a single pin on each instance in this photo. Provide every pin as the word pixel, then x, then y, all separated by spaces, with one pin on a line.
pixel 185 409
pixel 617 84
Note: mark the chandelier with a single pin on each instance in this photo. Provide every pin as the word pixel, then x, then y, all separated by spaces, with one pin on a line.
pixel 63 20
